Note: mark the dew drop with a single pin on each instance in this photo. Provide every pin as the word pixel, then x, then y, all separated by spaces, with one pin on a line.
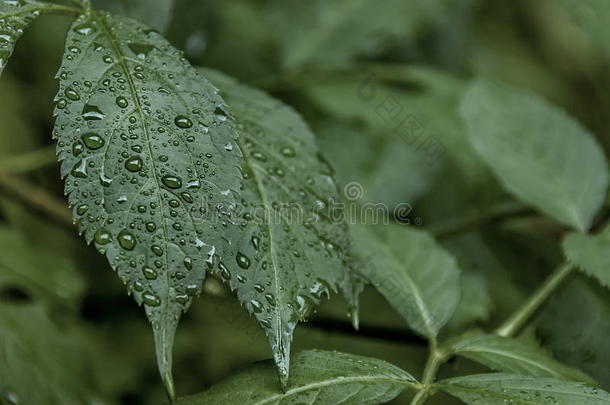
pixel 122 102
pixel 151 300
pixel 102 237
pixel 92 113
pixel 172 182
pixel 93 140
pixel 242 260
pixel 183 122
pixel 140 50
pixel 126 240
pixel 72 94
pixel 134 164
pixel 288 151
pixel 149 273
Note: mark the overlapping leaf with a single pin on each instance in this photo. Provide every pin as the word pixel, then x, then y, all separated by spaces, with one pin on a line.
pixel 290 245
pixel 40 363
pixel 590 253
pixel 155 13
pixel 418 277
pixel 539 153
pixel 15 16
pixel 493 389
pixel 141 140
pixel 317 377
pixel 513 356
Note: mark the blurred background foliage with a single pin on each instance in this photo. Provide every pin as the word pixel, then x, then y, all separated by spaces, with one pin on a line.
pixel 354 69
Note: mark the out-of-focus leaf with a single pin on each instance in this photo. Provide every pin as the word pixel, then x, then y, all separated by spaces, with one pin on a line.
pixel 290 247
pixel 323 32
pixel 141 140
pixel 593 17
pixel 540 154
pixel 43 275
pixel 417 276
pixel 590 253
pixel 514 356
pixel 155 13
pixel 320 377
pixel 41 363
pixel 576 326
pixel 15 16
pixel 475 302
pixel 493 389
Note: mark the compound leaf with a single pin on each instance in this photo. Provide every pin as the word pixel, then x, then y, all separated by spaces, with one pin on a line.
pixel 417 277
pixel 590 253
pixel 15 16
pixel 289 250
pixel 539 153
pixel 317 377
pixel 513 356
pixel 141 140
pixel 498 388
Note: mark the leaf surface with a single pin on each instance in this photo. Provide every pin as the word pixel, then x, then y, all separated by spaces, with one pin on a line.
pixel 498 388
pixel 539 153
pixel 141 140
pixel 317 377
pixel 290 247
pixel 15 16
pixel 418 277
pixel 513 356
pixel 590 253
pixel 155 13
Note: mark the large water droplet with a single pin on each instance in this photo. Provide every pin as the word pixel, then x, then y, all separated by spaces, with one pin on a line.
pixel 122 102
pixel 242 260
pixel 93 140
pixel 172 182
pixel 92 113
pixel 151 300
pixel 126 240
pixel 102 237
pixel 183 122
pixel 140 50
pixel 149 273
pixel 134 164
pixel 72 94
pixel 80 169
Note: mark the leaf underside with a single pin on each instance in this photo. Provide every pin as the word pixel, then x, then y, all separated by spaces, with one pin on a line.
pixel 317 377
pixel 418 278
pixel 15 16
pixel 141 140
pixel 288 246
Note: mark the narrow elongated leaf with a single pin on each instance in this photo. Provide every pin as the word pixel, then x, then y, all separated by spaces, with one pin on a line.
pixel 289 249
pixel 590 253
pixel 417 276
pixel 15 16
pixel 497 388
pixel 317 377
pixel 513 356
pixel 539 153
pixel 141 140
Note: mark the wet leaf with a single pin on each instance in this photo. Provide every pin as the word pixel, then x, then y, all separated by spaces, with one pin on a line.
pixel 141 139
pixel 493 389
pixel 15 16
pixel 290 244
pixel 323 378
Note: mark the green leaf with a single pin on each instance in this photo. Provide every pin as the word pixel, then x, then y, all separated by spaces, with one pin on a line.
pixel 514 356
pixel 538 152
pixel 15 16
pixel 289 249
pixel 475 303
pixel 141 140
pixel 155 13
pixel 42 363
pixel 590 253
pixel 417 276
pixel 320 377
pixel 336 32
pixel 44 275
pixel 593 17
pixel 493 389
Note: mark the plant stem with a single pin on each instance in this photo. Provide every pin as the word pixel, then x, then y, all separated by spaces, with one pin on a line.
pixel 29 161
pixel 520 317
pixel 59 9
pixel 435 359
pixel 37 198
